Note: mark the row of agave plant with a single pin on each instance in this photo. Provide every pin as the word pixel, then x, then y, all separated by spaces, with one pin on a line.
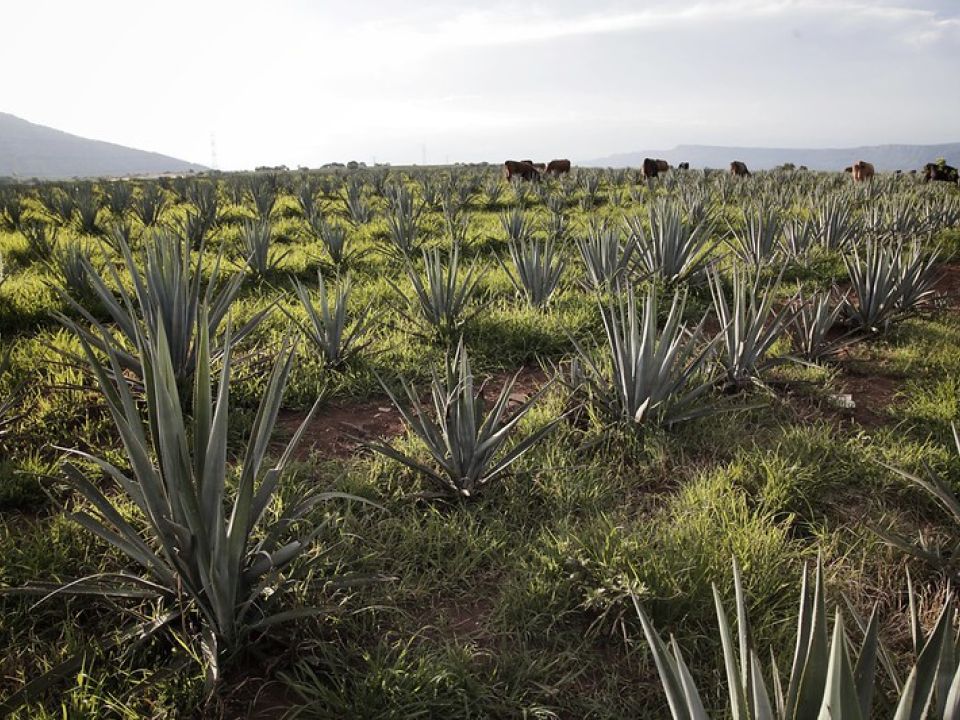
pixel 360 197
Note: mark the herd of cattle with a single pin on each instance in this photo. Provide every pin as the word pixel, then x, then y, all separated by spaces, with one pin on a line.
pixel 860 170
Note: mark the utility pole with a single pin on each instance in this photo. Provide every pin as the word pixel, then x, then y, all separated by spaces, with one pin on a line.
pixel 213 151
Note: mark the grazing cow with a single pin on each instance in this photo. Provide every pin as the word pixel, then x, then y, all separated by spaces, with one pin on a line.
pixel 558 167
pixel 739 169
pixel 650 168
pixel 663 166
pixel 522 169
pixel 862 171
pixel 848 169
pixel 683 166
pixel 936 171
pixel 541 167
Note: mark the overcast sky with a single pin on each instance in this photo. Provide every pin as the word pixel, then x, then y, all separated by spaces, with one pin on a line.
pixel 305 82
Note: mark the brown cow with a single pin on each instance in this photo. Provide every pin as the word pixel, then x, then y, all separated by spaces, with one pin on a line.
pixel 683 166
pixel 936 171
pixel 650 168
pixel 739 169
pixel 848 169
pixel 663 166
pixel 558 167
pixel 522 169
pixel 862 171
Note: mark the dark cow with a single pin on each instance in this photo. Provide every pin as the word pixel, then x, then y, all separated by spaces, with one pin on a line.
pixel 683 166
pixel 558 167
pixel 522 169
pixel 650 168
pixel 739 169
pixel 937 171
pixel 663 166
pixel 862 171
pixel 848 169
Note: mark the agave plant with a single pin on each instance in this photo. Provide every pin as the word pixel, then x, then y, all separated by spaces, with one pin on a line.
pixel 11 209
pixel 442 299
pixel 307 196
pixel 834 224
pixel 814 326
pixel 757 240
pixel 215 555
pixel 607 260
pixel 169 292
pixel 150 204
pixel 358 208
pixel 467 444
pixel 204 197
pixel 886 284
pixel 263 192
pixel 119 198
pixel 62 204
pixel 41 239
pixel 798 237
pixel 515 225
pixel 918 276
pixel 653 376
pixel 87 211
pixel 256 241
pixel 830 678
pixel 456 223
pixel 72 262
pixel 329 329
pixel 673 250
pixel 750 325
pixel 333 236
pixel 403 221
pixel 538 270
pixel 493 192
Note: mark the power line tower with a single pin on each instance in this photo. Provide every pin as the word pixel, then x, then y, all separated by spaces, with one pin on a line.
pixel 213 151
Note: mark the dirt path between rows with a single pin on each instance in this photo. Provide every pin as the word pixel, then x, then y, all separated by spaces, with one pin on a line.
pixel 338 430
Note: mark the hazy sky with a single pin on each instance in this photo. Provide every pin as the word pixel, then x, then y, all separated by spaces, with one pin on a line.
pixel 299 82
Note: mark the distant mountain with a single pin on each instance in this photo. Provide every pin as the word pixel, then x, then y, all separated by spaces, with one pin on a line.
pixel 883 157
pixel 28 150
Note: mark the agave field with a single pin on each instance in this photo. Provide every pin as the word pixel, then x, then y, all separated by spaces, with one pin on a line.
pixel 419 442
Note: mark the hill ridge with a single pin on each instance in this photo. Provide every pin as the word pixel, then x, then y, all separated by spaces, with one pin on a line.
pixel 31 150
